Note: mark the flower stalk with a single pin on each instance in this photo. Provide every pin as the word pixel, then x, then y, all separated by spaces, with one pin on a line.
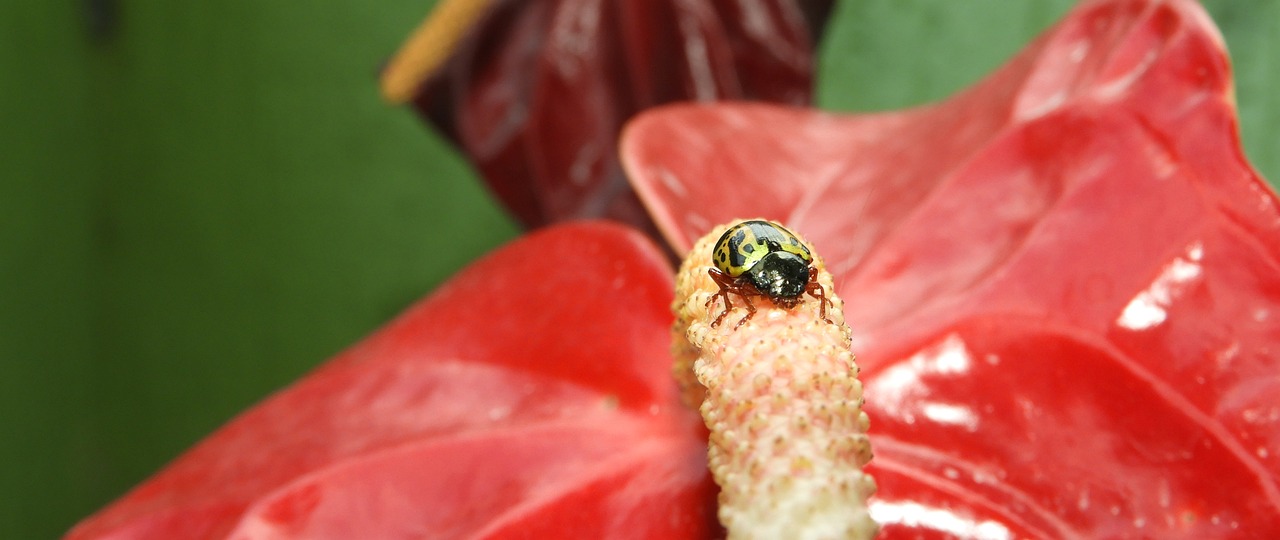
pixel 781 398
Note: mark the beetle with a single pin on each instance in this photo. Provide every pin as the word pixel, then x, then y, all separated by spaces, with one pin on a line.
pixel 763 258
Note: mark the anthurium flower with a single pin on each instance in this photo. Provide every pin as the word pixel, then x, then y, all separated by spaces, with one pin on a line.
pixel 536 92
pixel 1063 284
pixel 1063 287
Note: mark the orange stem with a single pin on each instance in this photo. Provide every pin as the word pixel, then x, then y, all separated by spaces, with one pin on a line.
pixel 428 47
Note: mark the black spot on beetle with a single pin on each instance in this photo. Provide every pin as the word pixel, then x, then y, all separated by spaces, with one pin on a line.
pixel 748 249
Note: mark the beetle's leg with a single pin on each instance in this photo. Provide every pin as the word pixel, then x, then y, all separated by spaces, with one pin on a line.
pixel 821 294
pixel 751 309
pixel 726 284
pixel 732 285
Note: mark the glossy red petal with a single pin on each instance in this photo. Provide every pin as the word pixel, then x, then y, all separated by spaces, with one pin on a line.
pixel 1064 283
pixel 532 387
pixel 537 95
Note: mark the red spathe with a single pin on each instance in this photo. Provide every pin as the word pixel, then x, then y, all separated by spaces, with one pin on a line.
pixel 1063 283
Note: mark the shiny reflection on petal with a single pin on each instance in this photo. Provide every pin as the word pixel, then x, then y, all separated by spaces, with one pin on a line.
pixel 895 388
pixel 916 515
pixel 956 415
pixel 1148 308
pixel 1143 312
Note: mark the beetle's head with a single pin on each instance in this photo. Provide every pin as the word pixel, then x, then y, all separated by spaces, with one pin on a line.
pixel 781 276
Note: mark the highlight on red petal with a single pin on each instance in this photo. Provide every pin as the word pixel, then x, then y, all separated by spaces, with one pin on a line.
pixel 1063 283
pixel 530 393
pixel 537 91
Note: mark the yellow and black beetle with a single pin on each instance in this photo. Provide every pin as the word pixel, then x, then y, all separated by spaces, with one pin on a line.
pixel 763 258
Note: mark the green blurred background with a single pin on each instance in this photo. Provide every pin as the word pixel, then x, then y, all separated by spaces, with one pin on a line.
pixel 211 200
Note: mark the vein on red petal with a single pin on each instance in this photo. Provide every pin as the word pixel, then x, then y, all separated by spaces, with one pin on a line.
pixel 464 485
pixel 891 460
pixel 1125 428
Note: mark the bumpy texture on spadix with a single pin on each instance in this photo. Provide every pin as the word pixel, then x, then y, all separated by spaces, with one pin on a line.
pixel 781 397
